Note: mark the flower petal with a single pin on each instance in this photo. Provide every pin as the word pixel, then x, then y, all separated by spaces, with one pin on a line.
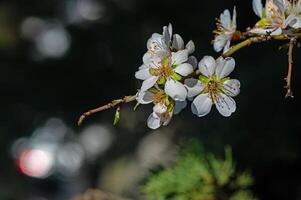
pixel 166 36
pixel 175 90
pixel 225 18
pixel 193 61
pixel 225 104
pixel 266 31
pixel 220 42
pixel 147 57
pixel 234 24
pixel 178 42
pixel 145 97
pixel 156 42
pixel 143 67
pixel 289 20
pixel 190 47
pixel 148 83
pixel 153 121
pixel 201 105
pixel 224 67
pixel 143 74
pixel 207 66
pixel 179 57
pixel 257 7
pixel 184 69
pixel 180 105
pixel 231 87
pixel 227 46
pixel 159 108
pixel 194 87
pixel 296 22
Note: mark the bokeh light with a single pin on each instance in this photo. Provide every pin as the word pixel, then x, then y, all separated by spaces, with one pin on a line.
pixel 35 163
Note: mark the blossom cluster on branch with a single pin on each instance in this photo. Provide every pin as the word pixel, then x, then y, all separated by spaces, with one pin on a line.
pixel 172 76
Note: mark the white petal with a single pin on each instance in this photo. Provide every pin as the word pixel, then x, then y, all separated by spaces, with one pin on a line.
pixel 193 61
pixel 297 22
pixel 180 105
pixel 225 104
pixel 224 67
pixel 147 57
pixel 170 29
pixel 175 90
pixel 288 20
pixel 219 42
pixel 231 87
pixel 234 24
pixel 262 31
pixel 277 32
pixel 143 67
pixel 184 69
pixel 190 47
pixel 207 66
pixel 145 97
pixel 155 42
pixel 159 108
pixel 153 121
pixel 166 36
pixel 227 46
pixel 225 18
pixel 148 83
pixel 257 7
pixel 179 57
pixel 143 74
pixel 152 60
pixel 201 105
pixel 194 87
pixel 178 42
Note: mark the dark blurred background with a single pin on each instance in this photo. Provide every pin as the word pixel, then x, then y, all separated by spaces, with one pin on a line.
pixel 59 58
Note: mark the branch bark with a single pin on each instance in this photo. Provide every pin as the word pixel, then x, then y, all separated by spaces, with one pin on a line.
pixel 114 103
pixel 251 40
pixel 288 79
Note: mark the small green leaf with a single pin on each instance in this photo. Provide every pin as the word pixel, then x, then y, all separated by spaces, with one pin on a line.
pixel 117 116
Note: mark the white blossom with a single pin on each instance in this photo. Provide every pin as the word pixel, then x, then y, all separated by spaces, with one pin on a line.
pixel 164 107
pixel 272 17
pixel 226 28
pixel 166 62
pixel 213 87
pixel 293 12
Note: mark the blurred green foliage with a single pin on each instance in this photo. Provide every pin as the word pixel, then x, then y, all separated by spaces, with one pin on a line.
pixel 197 175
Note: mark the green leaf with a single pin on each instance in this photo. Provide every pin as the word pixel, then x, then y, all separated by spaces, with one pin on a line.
pixel 117 116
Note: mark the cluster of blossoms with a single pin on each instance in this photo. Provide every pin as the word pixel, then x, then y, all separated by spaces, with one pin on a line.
pixel 167 73
pixel 276 17
pixel 172 77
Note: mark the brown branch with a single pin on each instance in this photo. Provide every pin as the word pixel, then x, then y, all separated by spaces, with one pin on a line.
pixel 110 105
pixel 288 79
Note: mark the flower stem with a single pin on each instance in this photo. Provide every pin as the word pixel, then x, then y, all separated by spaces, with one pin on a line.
pixel 288 79
pixel 126 99
pixel 251 40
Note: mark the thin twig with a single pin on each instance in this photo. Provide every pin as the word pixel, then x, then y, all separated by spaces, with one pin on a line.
pixel 110 105
pixel 288 79
pixel 251 40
